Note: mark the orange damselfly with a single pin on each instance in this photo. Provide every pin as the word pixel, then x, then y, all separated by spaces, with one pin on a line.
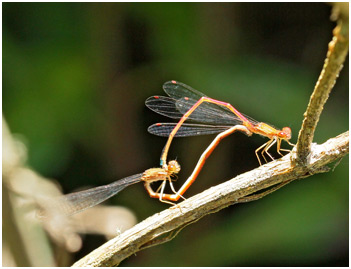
pixel 186 103
pixel 76 202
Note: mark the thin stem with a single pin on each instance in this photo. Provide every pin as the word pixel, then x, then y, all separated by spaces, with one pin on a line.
pixel 337 52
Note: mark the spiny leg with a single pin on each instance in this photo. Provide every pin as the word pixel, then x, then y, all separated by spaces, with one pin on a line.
pixel 291 144
pixel 258 158
pixel 287 150
pixel 161 194
pixel 159 187
pixel 279 144
pixel 163 186
pixel 172 188
pixel 265 150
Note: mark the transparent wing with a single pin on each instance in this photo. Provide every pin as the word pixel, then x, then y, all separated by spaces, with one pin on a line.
pixel 186 97
pixel 187 129
pixel 205 113
pixel 163 105
pixel 182 98
pixel 76 202
pixel 178 90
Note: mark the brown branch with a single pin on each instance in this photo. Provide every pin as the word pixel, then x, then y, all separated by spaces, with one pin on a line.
pixel 337 51
pixel 214 199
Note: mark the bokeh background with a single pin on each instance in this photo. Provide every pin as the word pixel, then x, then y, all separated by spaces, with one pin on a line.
pixel 75 78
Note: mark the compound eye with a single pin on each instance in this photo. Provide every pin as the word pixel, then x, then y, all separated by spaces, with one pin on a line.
pixel 286 133
pixel 173 166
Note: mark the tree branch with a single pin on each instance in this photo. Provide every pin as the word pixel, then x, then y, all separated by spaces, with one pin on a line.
pixel 214 199
pixel 337 51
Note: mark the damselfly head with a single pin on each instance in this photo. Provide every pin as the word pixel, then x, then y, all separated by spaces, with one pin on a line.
pixel 285 133
pixel 173 166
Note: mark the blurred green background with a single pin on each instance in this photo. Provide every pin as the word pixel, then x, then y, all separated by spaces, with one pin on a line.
pixel 75 78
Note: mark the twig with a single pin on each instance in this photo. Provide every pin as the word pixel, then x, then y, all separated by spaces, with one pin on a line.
pixel 337 51
pixel 215 199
